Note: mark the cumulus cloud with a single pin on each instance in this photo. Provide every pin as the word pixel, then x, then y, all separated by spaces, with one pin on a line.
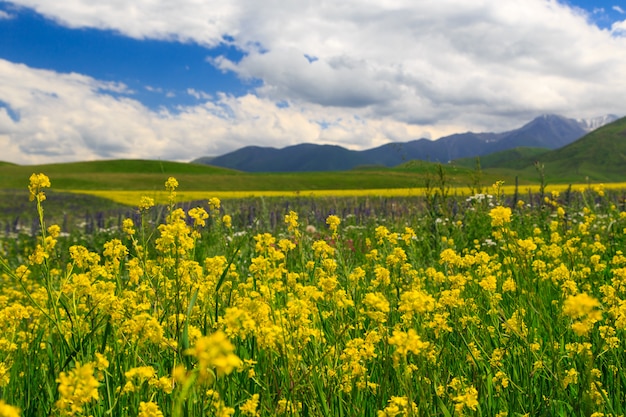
pixel 46 116
pixel 355 73
pixel 619 28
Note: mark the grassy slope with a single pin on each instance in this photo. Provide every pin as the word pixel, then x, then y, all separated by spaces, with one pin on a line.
pixel 599 156
pixel 151 175
pixel 514 158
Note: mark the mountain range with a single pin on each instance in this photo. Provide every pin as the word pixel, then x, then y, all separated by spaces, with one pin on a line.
pixel 546 131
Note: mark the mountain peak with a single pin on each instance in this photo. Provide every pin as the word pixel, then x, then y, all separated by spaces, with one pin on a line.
pixel 596 122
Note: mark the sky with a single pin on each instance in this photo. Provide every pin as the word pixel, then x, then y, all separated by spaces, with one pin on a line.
pixel 156 79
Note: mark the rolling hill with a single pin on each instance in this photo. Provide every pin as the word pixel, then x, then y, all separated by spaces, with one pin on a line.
pixel 598 156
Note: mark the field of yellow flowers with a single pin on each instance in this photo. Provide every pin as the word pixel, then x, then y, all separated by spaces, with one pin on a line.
pixel 484 307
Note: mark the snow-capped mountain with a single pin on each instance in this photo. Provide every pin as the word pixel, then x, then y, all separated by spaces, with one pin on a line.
pixel 596 122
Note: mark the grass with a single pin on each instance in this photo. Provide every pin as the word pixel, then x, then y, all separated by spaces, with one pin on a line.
pixel 466 306
pixel 149 175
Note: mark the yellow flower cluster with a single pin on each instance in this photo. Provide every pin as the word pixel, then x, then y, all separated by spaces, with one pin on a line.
pixel 485 309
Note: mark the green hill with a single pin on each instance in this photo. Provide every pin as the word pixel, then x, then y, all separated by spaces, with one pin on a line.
pixel 151 175
pixel 599 156
pixel 516 158
pixel 109 174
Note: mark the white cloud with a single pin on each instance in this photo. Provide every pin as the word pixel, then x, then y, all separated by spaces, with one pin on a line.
pixel 619 28
pixel 199 95
pixel 618 9
pixel 65 117
pixel 5 16
pixel 405 68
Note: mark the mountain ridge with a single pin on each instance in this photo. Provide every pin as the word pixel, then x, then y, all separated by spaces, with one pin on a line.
pixel 546 131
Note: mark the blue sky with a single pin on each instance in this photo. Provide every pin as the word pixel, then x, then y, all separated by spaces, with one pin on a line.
pixel 81 80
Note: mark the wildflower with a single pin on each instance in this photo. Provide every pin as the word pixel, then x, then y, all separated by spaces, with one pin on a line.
pixel 77 387
pixel 398 407
pixel 199 215
pixel 214 352
pixel 382 234
pixel 128 227
pixel 378 306
pixel 474 355
pixel 7 410
pixel 136 376
pixel 488 283
pixel 582 308
pixel 469 399
pixel 382 277
pixel 171 184
pixel 291 220
pixel 288 407
pixel 37 182
pixel 145 203
pixel 227 220
pixel 405 343
pixel 249 408
pixel 333 223
pixel 439 324
pixel 4 375
pixel 214 206
pixel 38 256
pixel 509 285
pixel 415 302
pixel 116 251
pixel 516 324
pixel 149 409
pixel 356 275
pixel 500 216
pixel 409 235
pixel 571 377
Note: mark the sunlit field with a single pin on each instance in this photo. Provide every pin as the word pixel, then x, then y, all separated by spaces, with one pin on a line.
pixel 130 198
pixel 501 302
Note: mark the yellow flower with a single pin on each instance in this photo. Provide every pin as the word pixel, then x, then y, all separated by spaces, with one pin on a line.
pixel 214 352
pixel 128 227
pixel 288 407
pixel 4 374
pixel 291 220
pixel 398 407
pixel 77 387
pixel 37 182
pixel 516 324
pixel 227 221
pixel 405 343
pixel 571 377
pixel 414 303
pixel 249 408
pixel 7 410
pixel 333 223
pixel 500 216
pixel 582 308
pixel 215 204
pixel 509 285
pixel 199 215
pixel 468 399
pixel 171 184
pixel 378 306
pixel 149 409
pixel 145 203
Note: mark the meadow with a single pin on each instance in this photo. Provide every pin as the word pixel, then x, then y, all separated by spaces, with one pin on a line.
pixel 496 303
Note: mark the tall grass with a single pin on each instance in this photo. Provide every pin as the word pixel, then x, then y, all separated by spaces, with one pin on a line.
pixel 469 306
